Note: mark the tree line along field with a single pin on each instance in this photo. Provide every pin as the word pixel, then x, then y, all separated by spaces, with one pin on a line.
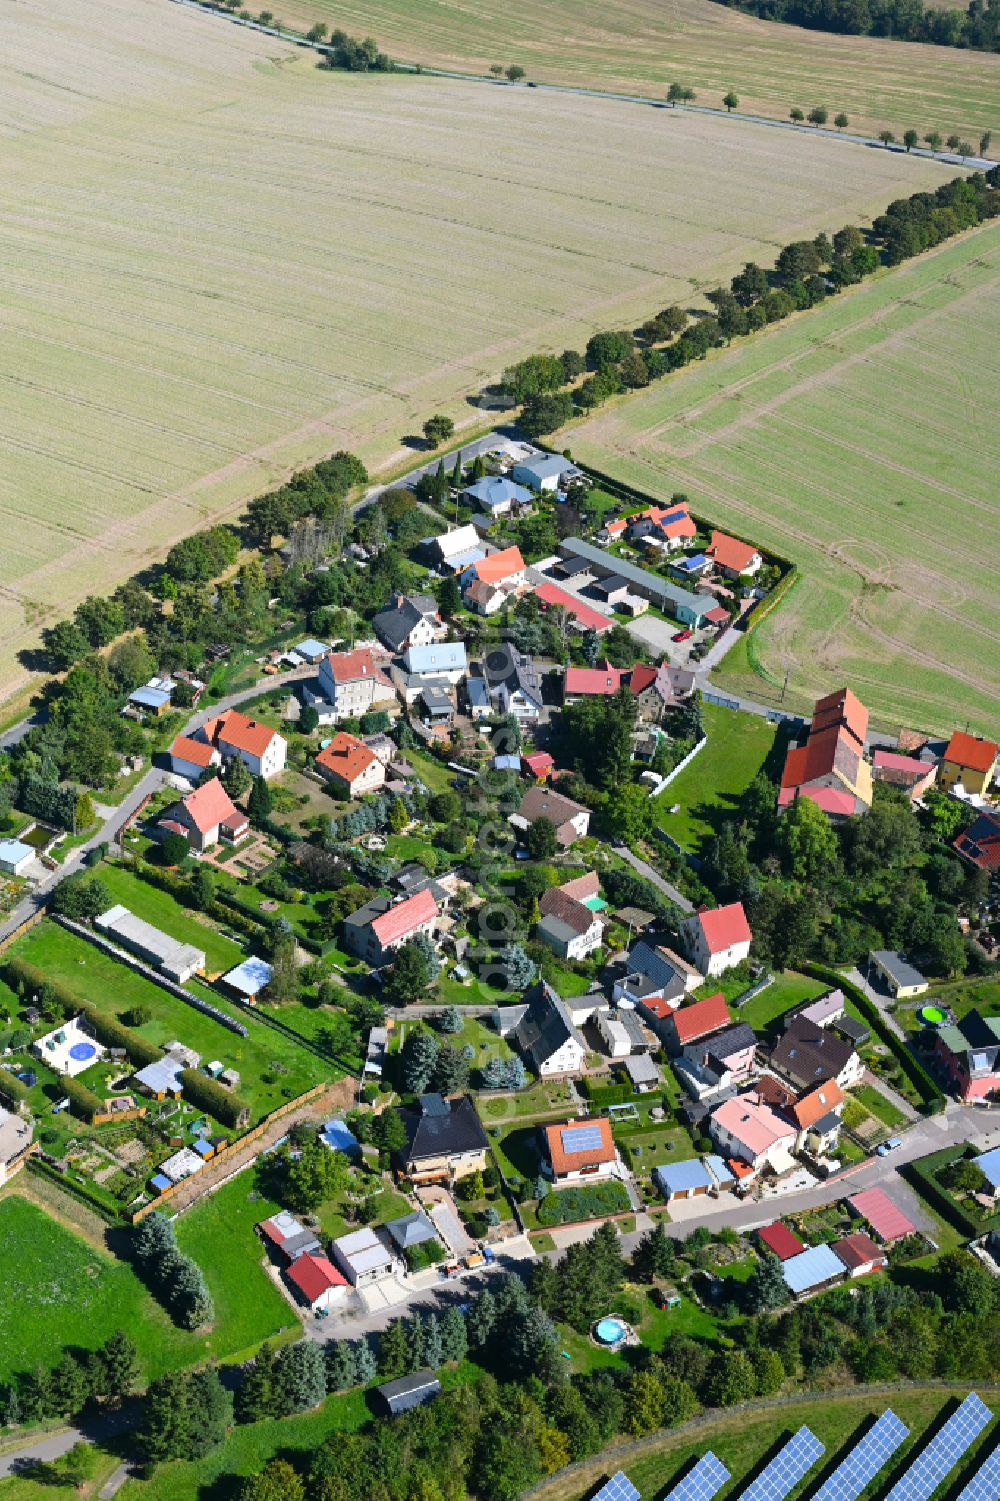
pixel 640 46
pixel 861 441
pixel 221 263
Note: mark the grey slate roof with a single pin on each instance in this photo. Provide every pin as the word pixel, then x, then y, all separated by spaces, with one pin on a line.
pixel 393 625
pixel 666 593
pixel 442 1128
pixel 546 1024
pixel 411 1229
pixel 733 1040
pixel 504 666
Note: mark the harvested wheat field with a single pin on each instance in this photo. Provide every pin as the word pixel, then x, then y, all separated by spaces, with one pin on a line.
pixel 219 262
pixel 861 440
pixel 640 46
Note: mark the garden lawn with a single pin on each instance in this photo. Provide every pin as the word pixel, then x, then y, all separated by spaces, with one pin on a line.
pixel 165 912
pixel 709 789
pixel 788 989
pixel 544 1098
pixel 433 773
pixel 300 915
pixel 113 988
pixel 876 1103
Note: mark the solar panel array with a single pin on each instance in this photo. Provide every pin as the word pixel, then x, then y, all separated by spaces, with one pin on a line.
pixel 618 1488
pixel 786 1469
pixel 985 1483
pixel 865 1460
pixel 581 1139
pixel 701 1482
pixel 943 1452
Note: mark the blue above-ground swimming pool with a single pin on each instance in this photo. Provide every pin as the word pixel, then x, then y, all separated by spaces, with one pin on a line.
pixel 81 1051
pixel 610 1331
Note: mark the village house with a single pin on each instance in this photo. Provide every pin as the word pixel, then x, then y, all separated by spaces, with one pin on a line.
pixel 621 1032
pixel 808 1055
pixel 592 682
pixel 191 758
pixel 655 981
pixel 578 1150
pixel 375 931
pixel 456 549
pixel 409 620
pixel 205 816
pixel 969 762
pixel 968 1051
pixel 659 689
pixel 721 1061
pixel 979 844
pixel 513 682
pixel 348 762
pixel 694 1023
pixel 732 557
pixel 830 768
pixel 441 662
pixel 364 1259
pixel 817 1114
pixel 717 938
pixel 503 570
pixel 496 495
pixel 667 527
pixel 570 928
pixel 747 1129
pixel 914 776
pixel 349 685
pixel 570 820
pixel 261 749
pixel 546 474
pixel 824 1011
pixel 547 1037
pixel 680 604
pixel 445 1140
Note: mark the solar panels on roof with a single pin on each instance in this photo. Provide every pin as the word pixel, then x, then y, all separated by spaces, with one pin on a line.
pixel 786 1469
pixel 985 1483
pixel 581 1139
pixel 943 1452
pixel 701 1483
pixel 865 1460
pixel 618 1488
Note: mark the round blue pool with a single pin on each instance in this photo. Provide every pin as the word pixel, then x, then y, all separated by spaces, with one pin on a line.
pixel 610 1331
pixel 81 1052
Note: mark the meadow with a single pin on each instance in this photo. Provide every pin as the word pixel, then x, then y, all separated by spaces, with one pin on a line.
pixel 221 263
pixel 860 440
pixel 707 792
pixel 643 45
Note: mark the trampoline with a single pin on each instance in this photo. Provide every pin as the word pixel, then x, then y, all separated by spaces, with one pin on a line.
pixel 82 1052
pixel 933 1016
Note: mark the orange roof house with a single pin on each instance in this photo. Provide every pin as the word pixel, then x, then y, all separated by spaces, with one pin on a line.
pixel 405 918
pixel 500 567
pixel 349 762
pixel 208 812
pixel 812 1107
pixel 186 752
pixel 259 747
pixel 830 768
pixel 731 556
pixel 699 1019
pixel 580 1149
pixel 970 760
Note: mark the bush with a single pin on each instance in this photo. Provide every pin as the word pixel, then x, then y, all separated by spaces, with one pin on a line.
pixel 83 1101
pixel 208 1095
pixel 606 1094
pixel 566 1205
pixel 13 1093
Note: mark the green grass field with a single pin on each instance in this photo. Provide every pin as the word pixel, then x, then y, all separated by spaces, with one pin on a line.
pixel 787 990
pixel 646 44
pixel 876 1104
pixel 359 252
pixel 709 790
pixel 858 439
pixel 101 980
pixel 159 908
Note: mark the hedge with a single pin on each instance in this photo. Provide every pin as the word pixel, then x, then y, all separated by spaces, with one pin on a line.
pixel 566 1205
pixel 607 1094
pixel 932 1097
pixel 921 1176
pixel 83 1101
pixel 114 1034
pixel 16 969
pixel 214 1098
pixel 13 1093
pixel 37 1164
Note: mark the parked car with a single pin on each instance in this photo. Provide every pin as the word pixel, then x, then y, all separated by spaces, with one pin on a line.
pixel 889 1146
pixel 682 636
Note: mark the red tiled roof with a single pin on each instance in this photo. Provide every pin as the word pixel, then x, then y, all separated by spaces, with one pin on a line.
pixel 724 926
pixel 237 730
pixel 841 708
pixel 817 1103
pixel 857 1250
pixel 729 552
pixel 347 757
pixel 717 615
pixel 563 1160
pixel 888 1221
pixel 550 594
pixel 314 1275
pixel 209 805
pixel 405 917
pixel 980 843
pixel 582 887
pixel 890 761
pixel 779 1239
pixel 831 800
pixel 596 681
pixel 350 666
pixel 615 528
pixel 499 565
pixel 197 752
pixel 538 762
pixel 700 1018
pixel 971 752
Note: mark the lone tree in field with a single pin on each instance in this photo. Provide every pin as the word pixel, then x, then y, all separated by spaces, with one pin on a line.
pixel 679 93
pixel 984 142
pixel 910 139
pixel 886 137
pixel 796 115
pixel 497 70
pixel 817 116
pixel 933 139
pixel 515 73
pixel 438 429
pixel 731 101
pixel 841 121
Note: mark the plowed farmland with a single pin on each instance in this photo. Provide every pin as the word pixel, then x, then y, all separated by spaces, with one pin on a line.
pixel 219 263
pixel 860 440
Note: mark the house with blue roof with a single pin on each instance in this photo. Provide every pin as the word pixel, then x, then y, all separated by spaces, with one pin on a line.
pixel 546 473
pixel 441 661
pixel 15 857
pixel 988 1164
pixel 496 495
pixel 692 1178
